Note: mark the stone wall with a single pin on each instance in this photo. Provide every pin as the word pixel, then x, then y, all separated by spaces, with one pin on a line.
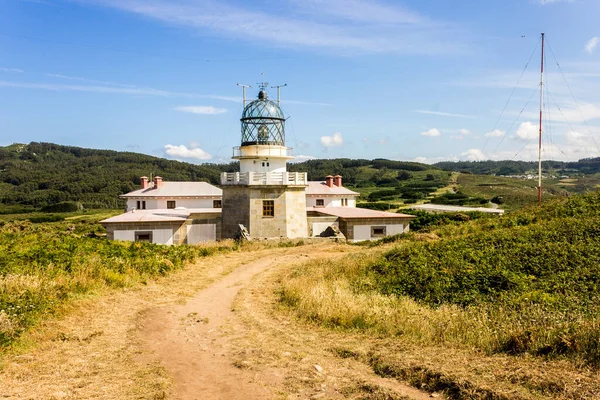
pixel 236 210
pixel 244 205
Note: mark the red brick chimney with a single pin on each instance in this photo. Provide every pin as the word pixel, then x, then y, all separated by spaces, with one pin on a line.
pixel 145 182
pixel 157 182
pixel 337 180
pixel 329 180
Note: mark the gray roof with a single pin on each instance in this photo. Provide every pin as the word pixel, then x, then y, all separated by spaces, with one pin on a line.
pixel 159 215
pixel 356 212
pixel 317 188
pixel 178 189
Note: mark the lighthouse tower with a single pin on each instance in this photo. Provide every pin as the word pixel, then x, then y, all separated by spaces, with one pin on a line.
pixel 263 197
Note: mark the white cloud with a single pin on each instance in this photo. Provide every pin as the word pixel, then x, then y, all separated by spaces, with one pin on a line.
pixel 433 160
pixel 464 132
pixel 443 114
pixel 183 151
pixel 361 11
pixel 373 26
pixel 334 140
pixel 301 158
pixel 591 44
pixel 473 155
pixel 95 89
pixel 94 81
pixel 527 131
pixel 203 110
pixel 12 70
pixel 431 133
pixel 495 133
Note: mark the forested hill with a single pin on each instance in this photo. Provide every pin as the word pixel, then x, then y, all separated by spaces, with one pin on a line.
pixel 41 174
pixel 36 175
pixel 509 167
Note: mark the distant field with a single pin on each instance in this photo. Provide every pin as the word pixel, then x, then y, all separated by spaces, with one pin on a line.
pixel 91 215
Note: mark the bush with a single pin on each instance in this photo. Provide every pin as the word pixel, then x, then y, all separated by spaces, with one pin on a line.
pixel 379 206
pixel 44 265
pixel 46 218
pixel 62 207
pixel 404 175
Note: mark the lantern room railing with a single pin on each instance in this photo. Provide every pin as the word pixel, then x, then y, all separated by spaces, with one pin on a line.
pixel 264 178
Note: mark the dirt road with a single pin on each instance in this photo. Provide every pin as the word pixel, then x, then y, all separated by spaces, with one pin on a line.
pixel 189 339
pixel 211 331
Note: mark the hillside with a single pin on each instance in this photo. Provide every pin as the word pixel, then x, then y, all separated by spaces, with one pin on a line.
pixel 41 174
pixel 36 175
pixel 510 167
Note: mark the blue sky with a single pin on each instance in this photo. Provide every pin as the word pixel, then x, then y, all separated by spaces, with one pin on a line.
pixel 423 80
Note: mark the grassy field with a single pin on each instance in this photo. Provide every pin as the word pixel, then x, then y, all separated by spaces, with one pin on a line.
pixel 525 283
pixel 45 265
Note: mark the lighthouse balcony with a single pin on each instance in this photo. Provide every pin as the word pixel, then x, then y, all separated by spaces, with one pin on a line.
pixel 264 178
pixel 256 150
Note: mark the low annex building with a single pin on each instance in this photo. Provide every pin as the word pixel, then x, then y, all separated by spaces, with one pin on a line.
pixel 263 198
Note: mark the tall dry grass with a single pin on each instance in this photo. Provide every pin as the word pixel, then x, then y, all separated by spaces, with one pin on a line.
pixel 529 286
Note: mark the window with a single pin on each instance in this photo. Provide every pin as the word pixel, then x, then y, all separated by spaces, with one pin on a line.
pixel 377 231
pixel 143 237
pixel 345 202
pixel 170 203
pixel 141 205
pixel 320 202
pixel 268 208
pixel 217 204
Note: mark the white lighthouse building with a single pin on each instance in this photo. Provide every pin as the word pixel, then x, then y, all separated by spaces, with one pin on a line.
pixel 264 197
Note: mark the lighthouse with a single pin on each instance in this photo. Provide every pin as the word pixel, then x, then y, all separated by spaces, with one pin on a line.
pixel 263 196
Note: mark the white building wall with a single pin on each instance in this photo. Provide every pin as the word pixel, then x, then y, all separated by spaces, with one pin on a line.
pixel 125 235
pixel 159 236
pixel 311 201
pixel 363 232
pixel 263 165
pixel 320 227
pixel 153 204
pixel 201 233
pixel 162 236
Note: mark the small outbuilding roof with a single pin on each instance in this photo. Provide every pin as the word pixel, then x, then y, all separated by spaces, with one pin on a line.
pixel 356 212
pixel 178 189
pixel 318 188
pixel 159 215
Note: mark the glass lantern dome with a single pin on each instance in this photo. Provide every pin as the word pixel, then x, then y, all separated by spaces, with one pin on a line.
pixel 263 122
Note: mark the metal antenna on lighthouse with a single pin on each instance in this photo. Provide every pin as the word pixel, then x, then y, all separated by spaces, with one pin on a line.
pixel 279 92
pixel 540 136
pixel 244 91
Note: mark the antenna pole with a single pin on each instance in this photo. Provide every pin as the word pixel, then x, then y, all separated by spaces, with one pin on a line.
pixel 279 92
pixel 244 91
pixel 540 133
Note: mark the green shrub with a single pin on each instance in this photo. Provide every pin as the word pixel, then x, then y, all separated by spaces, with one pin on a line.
pixel 44 265
pixel 62 207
